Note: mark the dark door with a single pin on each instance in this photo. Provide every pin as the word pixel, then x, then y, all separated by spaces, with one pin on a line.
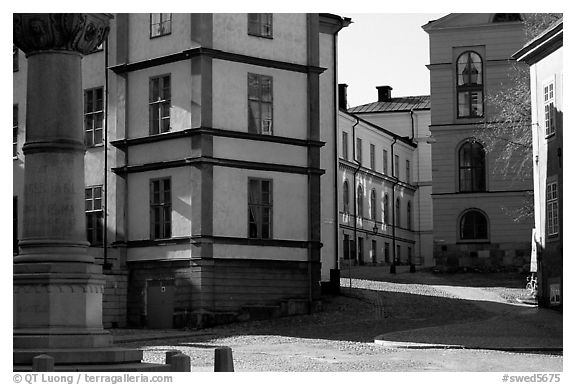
pixel 160 306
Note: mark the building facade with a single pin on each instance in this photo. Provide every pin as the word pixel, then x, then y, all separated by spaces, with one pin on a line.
pixel 472 197
pixel 204 164
pixel 544 54
pixel 409 117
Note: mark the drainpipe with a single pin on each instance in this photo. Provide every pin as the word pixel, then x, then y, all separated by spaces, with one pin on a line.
pixel 355 200
pixel 393 266
pixel 107 266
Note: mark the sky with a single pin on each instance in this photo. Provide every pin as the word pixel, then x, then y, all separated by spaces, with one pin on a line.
pixel 380 49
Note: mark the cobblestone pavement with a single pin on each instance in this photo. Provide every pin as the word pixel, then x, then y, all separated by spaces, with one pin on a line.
pixel 341 337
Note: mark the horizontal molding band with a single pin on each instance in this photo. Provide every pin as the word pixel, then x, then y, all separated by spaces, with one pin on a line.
pixel 220 240
pixel 379 234
pixel 481 193
pixel 346 165
pixel 124 143
pixel 53 145
pixel 215 54
pixel 231 163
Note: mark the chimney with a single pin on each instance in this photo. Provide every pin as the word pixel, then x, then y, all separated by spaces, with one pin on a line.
pixel 343 96
pixel 384 93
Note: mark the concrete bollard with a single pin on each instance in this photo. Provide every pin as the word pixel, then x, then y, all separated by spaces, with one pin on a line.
pixel 223 361
pixel 43 363
pixel 179 363
pixel 170 354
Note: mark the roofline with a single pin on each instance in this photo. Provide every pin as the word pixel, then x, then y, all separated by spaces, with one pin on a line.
pixel 396 136
pixel 545 43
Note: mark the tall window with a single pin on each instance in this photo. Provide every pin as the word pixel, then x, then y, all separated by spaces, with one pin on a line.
pixel 552 222
pixel 15 225
pixel 93 116
pixel 14 58
pixel 387 252
pixel 94 214
pixel 396 171
pixel 385 162
pixel 359 202
pixel 260 103
pixel 259 208
pixel 469 85
pixel 260 24
pixel 160 208
pixel 386 211
pixel 359 150
pixel 473 226
pixel 409 216
pixel 549 112
pixel 373 205
pixel 159 104
pixel 346 246
pixel 397 213
pixel 471 158
pixel 346 197
pixel 15 131
pixel 372 157
pixel 160 24
pixel 407 171
pixel 373 251
pixel 345 145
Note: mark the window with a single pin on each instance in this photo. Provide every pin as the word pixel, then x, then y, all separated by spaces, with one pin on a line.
pixel 386 252
pixel 93 116
pixel 386 203
pixel 469 85
pixel 473 226
pixel 373 251
pixel 94 214
pixel 360 202
pixel 259 208
pixel 385 162
pixel 372 157
pixel 159 104
pixel 373 205
pixel 409 216
pixel 15 226
pixel 398 253
pixel 15 131
pixel 397 213
pixel 549 111
pixel 160 208
pixel 552 222
pixel 160 24
pixel 396 170
pixel 345 145
pixel 359 150
pixel 14 58
pixel 346 246
pixel 471 158
pixel 260 24
pixel 346 197
pixel 260 104
pixel 407 171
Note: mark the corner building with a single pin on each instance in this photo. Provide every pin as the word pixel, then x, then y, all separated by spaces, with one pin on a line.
pixel 208 172
pixel 470 58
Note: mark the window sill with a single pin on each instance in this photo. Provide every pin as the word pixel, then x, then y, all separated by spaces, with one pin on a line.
pixel 262 36
pixel 95 146
pixel 162 35
pixel 550 136
pixel 477 241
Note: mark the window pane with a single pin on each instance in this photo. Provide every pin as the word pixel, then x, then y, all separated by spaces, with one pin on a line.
pixel 476 103
pixel 155 89
pixel 253 116
pixel 266 88
pixel 253 87
pixel 463 105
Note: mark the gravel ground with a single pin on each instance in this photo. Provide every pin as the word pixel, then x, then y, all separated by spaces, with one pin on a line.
pixel 340 338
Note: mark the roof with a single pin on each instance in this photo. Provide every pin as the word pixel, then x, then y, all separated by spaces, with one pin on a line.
pixel 545 43
pixel 405 103
pixel 404 139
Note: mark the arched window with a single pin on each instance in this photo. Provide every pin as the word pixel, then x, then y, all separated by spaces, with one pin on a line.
pixel 472 166
pixel 346 197
pixel 397 213
pixel 373 205
pixel 469 85
pixel 409 216
pixel 386 216
pixel 473 225
pixel 360 201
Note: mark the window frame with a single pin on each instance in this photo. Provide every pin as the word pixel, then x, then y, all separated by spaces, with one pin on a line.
pixel 346 197
pixel 164 206
pixel 345 145
pixel 91 114
pixel 359 150
pixel 359 202
pixel 385 162
pixel 409 215
pixel 397 213
pixel 386 218
pixel 552 209
pixel 94 233
pixel 468 88
pixel 260 206
pixel 372 156
pixel 373 207
pixel 261 26
pixel 161 102
pixel 549 98
pixel 260 101
pixel 477 177
pixel 407 171
pixel 476 238
pixel 15 125
pixel 161 25
pixel 396 171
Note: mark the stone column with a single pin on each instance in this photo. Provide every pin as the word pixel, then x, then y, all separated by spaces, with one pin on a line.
pixel 57 287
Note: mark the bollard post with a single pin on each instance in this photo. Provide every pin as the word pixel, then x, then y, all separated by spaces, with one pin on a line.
pixel 180 363
pixel 170 354
pixel 43 363
pixel 223 361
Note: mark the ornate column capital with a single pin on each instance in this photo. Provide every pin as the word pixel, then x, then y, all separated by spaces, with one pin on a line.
pixel 77 32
